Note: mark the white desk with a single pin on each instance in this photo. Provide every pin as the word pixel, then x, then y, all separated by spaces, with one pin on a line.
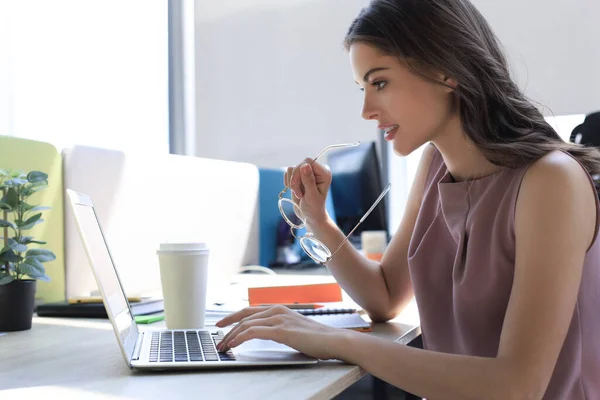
pixel 79 359
pixel 66 358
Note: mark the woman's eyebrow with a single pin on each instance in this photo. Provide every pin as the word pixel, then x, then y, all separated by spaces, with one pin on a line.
pixel 371 71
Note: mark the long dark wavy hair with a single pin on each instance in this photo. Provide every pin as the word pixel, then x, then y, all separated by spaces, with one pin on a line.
pixel 452 38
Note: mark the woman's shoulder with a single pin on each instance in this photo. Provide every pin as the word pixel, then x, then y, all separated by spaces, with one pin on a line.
pixel 557 185
pixel 556 167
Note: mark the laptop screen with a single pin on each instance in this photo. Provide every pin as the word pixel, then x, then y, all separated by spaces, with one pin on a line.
pixel 104 269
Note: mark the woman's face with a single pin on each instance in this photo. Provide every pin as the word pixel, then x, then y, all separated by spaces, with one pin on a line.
pixel 411 109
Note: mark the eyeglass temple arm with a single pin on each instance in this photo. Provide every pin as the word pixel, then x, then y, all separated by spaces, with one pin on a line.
pixel 334 146
pixel 385 190
pixel 326 149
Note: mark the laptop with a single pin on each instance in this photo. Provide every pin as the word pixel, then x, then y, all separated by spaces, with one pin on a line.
pixel 164 349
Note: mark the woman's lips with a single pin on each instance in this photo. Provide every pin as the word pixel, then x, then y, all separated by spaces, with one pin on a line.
pixel 390 131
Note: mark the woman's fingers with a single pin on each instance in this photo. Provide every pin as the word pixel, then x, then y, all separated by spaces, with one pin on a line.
pixel 296 183
pixel 271 321
pixel 287 175
pixel 292 178
pixel 248 314
pixel 240 315
pixel 256 332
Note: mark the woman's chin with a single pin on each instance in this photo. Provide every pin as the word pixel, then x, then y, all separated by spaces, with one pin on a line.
pixel 401 148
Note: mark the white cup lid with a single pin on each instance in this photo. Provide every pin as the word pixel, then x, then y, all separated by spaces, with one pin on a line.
pixel 183 246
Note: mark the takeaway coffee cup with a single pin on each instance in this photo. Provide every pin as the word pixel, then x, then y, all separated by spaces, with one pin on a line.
pixel 184 278
pixel 373 244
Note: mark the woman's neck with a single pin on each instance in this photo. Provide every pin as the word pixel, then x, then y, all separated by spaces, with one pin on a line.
pixel 462 157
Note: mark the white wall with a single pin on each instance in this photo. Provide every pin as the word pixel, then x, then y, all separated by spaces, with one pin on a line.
pixel 554 50
pixel 273 84
pixel 273 81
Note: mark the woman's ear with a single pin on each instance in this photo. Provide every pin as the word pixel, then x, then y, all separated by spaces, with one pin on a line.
pixel 450 83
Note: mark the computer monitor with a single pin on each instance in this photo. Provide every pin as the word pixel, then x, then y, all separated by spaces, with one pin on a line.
pixel 357 183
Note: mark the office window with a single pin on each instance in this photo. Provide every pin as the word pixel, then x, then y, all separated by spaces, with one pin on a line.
pixel 91 73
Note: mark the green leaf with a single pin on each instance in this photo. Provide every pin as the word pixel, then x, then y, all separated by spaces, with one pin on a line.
pixel 32 267
pixel 16 246
pixel 25 239
pixel 30 222
pixel 38 183
pixel 29 226
pixel 36 176
pixel 15 182
pixel 7 224
pixel 37 188
pixel 29 239
pixel 5 207
pixel 25 193
pixel 30 208
pixel 38 208
pixel 7 254
pixel 6 278
pixel 33 218
pixel 11 198
pixel 16 174
pixel 28 190
pixel 42 255
pixel 31 190
pixel 25 207
pixel 4 172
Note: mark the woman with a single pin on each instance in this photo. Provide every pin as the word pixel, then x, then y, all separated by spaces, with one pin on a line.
pixel 498 241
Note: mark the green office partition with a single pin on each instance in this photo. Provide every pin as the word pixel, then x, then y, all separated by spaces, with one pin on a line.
pixel 30 155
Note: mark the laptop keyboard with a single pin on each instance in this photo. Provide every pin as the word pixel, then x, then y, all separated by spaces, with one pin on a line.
pixel 187 346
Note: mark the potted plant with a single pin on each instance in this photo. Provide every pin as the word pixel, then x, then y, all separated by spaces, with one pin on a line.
pixel 20 264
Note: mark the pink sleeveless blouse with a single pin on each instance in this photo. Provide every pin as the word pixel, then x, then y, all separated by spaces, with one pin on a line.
pixel 462 260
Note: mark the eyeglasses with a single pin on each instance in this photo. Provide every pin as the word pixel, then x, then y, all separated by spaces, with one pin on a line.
pixel 295 218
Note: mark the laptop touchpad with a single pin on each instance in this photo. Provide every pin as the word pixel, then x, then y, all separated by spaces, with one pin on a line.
pixel 267 350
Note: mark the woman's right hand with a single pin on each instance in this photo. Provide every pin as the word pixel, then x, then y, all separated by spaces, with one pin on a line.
pixel 310 184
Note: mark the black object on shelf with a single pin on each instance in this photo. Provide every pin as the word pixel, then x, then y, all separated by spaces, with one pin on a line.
pixel 587 133
pixel 95 310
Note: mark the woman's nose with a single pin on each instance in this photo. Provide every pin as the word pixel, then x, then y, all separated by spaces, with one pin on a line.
pixel 369 112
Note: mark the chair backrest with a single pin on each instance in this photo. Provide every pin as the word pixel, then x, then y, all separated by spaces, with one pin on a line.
pixel 31 155
pixel 143 199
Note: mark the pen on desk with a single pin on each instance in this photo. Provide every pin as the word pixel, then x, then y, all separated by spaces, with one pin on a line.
pixel 97 299
pixel 297 306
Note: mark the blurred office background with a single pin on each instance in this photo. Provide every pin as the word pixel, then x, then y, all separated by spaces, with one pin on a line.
pixel 261 81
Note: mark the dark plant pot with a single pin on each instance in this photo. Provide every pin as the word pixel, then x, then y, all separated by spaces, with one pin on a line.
pixel 16 305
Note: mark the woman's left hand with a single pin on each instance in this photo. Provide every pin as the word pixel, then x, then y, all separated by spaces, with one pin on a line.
pixel 282 325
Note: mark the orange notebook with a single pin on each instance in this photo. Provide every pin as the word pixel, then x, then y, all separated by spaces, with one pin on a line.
pixel 316 293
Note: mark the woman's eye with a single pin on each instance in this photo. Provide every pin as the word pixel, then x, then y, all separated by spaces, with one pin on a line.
pixel 379 85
